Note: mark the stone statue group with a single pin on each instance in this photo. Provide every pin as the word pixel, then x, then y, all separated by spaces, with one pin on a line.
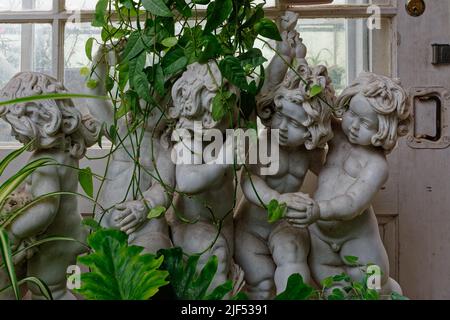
pixel 344 140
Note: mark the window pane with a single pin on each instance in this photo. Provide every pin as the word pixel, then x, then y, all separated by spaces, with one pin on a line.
pixel 339 44
pixel 81 4
pixel 76 35
pixel 20 5
pixel 35 55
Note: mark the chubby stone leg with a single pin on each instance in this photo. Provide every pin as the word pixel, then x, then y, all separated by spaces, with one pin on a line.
pixel 153 235
pixel 370 250
pixel 323 261
pixel 290 247
pixel 50 265
pixel 198 237
pixel 253 255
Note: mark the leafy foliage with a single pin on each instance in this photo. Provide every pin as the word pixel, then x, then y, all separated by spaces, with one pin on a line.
pixel 187 282
pixel 119 271
pixel 226 35
pixel 276 211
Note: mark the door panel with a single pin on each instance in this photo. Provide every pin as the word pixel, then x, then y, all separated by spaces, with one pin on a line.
pixel 423 173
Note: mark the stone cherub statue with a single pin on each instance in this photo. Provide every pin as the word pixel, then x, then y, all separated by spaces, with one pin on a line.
pixel 206 188
pixel 374 116
pixel 155 170
pixel 270 253
pixel 59 132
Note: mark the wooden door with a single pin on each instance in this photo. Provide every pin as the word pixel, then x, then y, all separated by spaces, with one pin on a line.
pixel 420 175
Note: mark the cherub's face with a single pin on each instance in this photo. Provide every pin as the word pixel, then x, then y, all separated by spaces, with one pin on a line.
pixel 360 121
pixel 288 118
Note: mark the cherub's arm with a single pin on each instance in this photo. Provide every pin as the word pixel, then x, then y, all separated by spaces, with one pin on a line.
pixel 278 66
pixel 358 196
pixel 101 109
pixel 255 188
pixel 196 177
pixel 37 218
pixel 130 215
pixel 157 195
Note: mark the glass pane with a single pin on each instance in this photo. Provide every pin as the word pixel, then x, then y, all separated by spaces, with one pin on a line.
pixel 81 4
pixel 339 44
pixel 76 35
pixel 26 5
pixel 35 55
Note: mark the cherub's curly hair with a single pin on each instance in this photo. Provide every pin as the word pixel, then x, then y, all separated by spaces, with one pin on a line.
pixel 293 89
pixel 50 123
pixel 388 99
pixel 193 92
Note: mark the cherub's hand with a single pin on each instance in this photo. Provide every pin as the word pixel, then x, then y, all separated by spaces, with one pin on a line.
pixel 304 218
pixel 296 201
pixel 288 21
pixel 130 215
pixel 300 48
pixel 286 47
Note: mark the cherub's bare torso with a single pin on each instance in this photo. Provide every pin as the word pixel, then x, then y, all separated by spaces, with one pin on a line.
pixel 345 162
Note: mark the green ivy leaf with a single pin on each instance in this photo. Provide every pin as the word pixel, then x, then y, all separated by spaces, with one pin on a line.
pixel 88 48
pixel 204 2
pixel 252 57
pixel 337 294
pixel 169 42
pixel 100 13
pixel 85 71
pixel 231 69
pixel 91 223
pixel 315 90
pixel 211 49
pixel 351 260
pixel 218 11
pixel 268 29
pixel 218 107
pixel 187 283
pixel 92 84
pixel 183 8
pixel 157 7
pixel 134 47
pixel 86 181
pixel 175 66
pixel 156 212
pixel 327 282
pixel 276 211
pixel 296 289
pixel 119 271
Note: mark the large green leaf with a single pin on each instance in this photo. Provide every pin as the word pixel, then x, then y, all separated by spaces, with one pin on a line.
pixel 296 289
pixel 267 28
pixel 13 156
pixel 276 211
pixel 252 57
pixel 86 181
pixel 231 68
pixel 157 7
pixel 5 250
pixel 119 271
pixel 53 96
pixel 13 182
pixel 187 283
pixel 218 11
pixel 100 13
